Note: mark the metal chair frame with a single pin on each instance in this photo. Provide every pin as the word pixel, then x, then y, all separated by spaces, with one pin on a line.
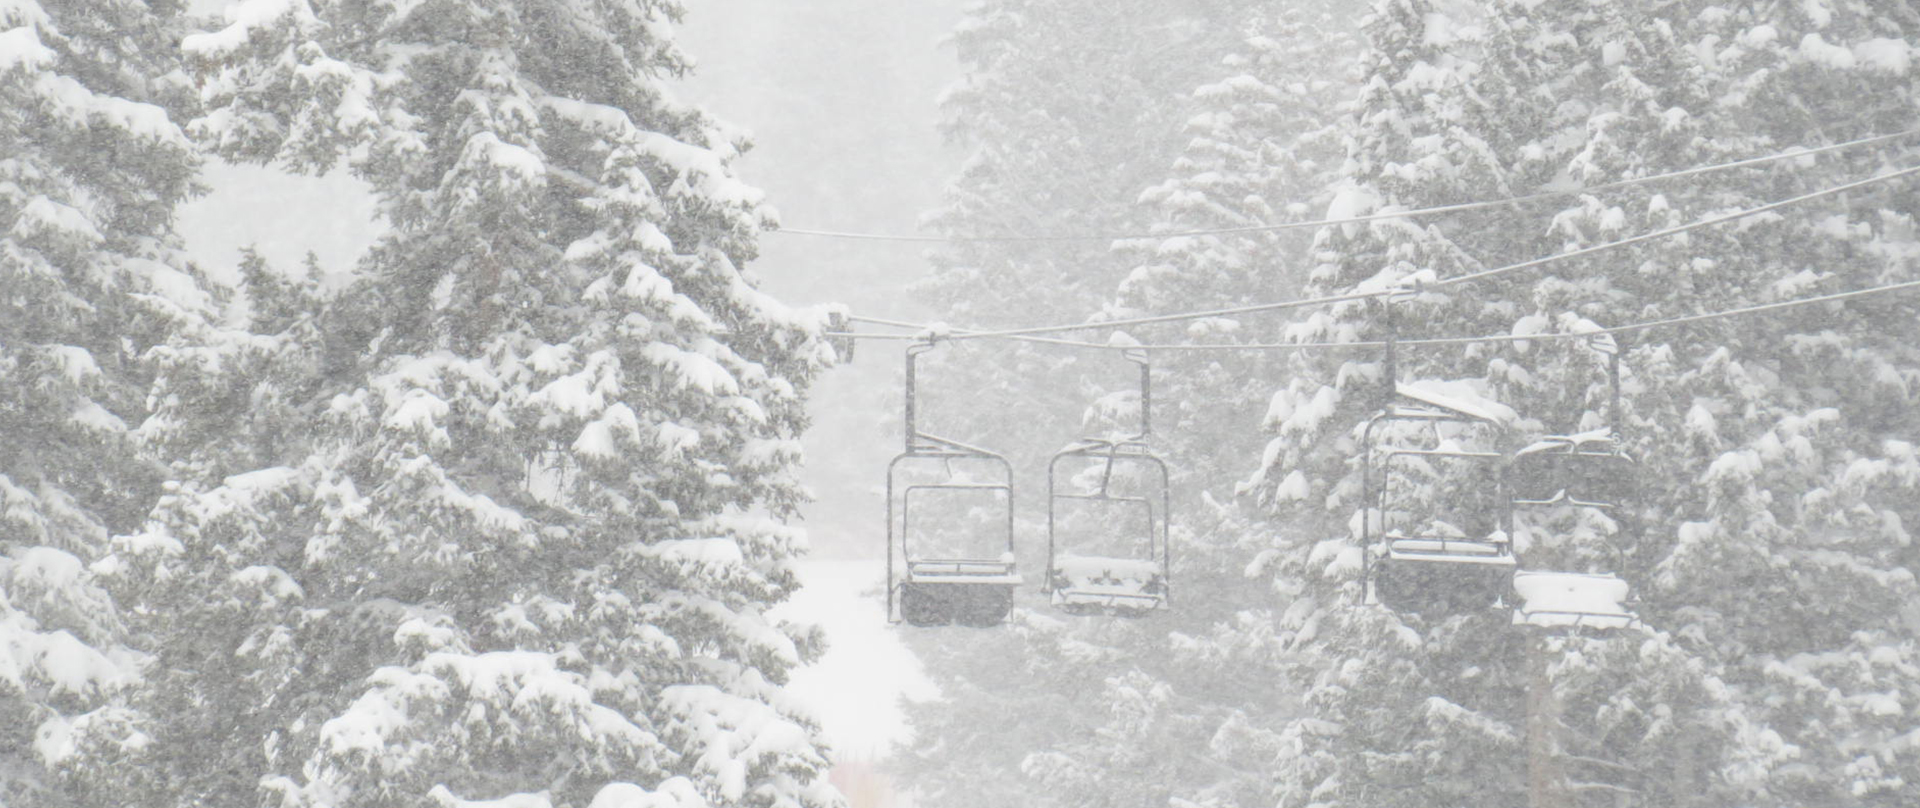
pixel 955 572
pixel 1407 405
pixel 1571 448
pixel 1131 448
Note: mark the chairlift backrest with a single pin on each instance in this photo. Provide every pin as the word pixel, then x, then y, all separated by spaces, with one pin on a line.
pixel 1591 471
pixel 1415 558
pixel 1587 470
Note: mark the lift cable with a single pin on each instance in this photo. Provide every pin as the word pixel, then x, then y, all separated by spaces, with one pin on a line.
pixel 921 337
pixel 1374 217
pixel 1557 335
pixel 855 318
pixel 1474 276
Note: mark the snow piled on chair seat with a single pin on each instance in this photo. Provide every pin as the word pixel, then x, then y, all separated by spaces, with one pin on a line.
pixel 1458 396
pixel 445 798
pixel 964 570
pixel 1553 599
pixel 1087 568
pixel 1104 581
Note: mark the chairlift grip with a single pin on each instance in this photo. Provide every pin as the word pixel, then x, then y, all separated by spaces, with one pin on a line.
pixel 1138 356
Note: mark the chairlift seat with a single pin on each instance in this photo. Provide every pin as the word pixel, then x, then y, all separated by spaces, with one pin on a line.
pixel 1115 585
pixel 1571 600
pixel 1428 571
pixel 1435 549
pixel 1434 575
pixel 968 592
pixel 962 570
pixel 972 590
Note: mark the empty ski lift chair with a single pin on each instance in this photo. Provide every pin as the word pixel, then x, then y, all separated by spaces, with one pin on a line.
pixel 1414 561
pixel 926 587
pixel 1588 470
pixel 1119 483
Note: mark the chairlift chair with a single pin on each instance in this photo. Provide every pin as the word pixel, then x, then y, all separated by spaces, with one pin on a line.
pixel 1411 563
pixel 1588 470
pixel 974 587
pixel 1139 580
pixel 1408 563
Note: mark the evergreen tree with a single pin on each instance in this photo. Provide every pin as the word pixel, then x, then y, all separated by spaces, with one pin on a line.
pixel 1797 422
pixel 1736 541
pixel 1263 149
pixel 1064 129
pixel 90 279
pixel 513 530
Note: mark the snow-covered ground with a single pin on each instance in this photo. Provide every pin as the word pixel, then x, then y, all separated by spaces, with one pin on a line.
pixel 857 688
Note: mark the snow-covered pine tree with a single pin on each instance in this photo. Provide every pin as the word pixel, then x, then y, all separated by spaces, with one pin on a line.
pixel 1792 566
pixel 90 279
pixel 225 401
pixel 1767 463
pixel 522 550
pixel 1063 131
pixel 234 398
pixel 1262 149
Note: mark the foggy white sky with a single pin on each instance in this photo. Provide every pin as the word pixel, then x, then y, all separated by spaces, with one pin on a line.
pixel 840 98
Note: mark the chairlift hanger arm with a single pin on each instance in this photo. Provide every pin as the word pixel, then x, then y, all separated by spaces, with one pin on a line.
pixel 1103 447
pixel 1138 356
pixel 1148 501
pixel 922 441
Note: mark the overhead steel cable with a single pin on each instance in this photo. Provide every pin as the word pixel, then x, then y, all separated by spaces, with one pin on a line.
pixel 1372 217
pixel 1707 222
pixel 1555 335
pixel 1474 276
pixel 1074 343
pixel 855 318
